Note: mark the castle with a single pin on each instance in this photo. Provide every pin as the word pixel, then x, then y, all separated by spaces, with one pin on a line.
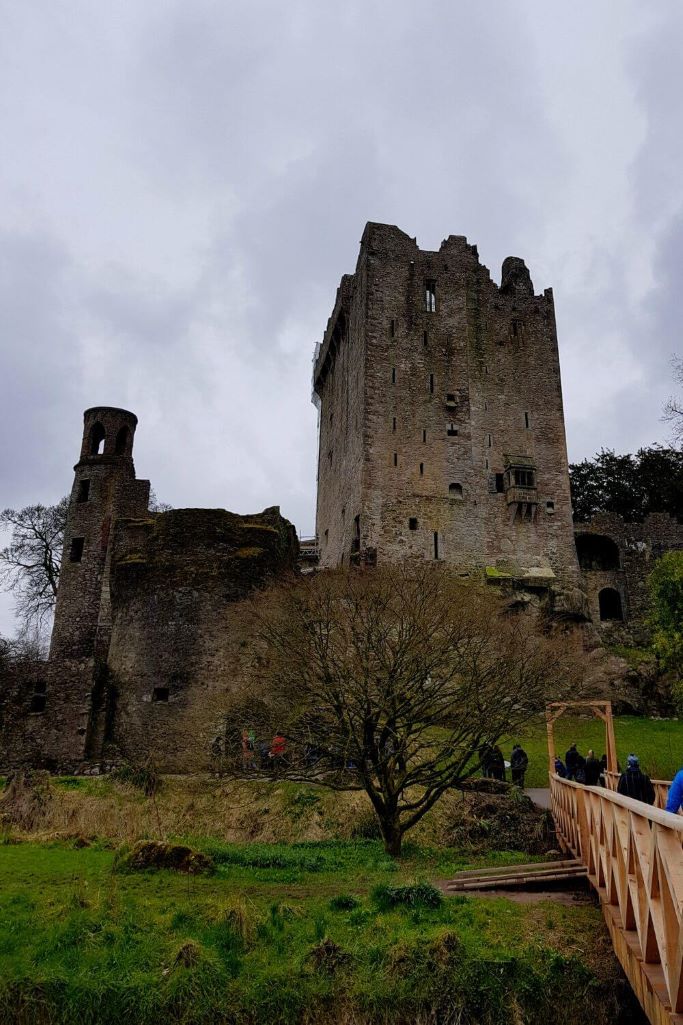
pixel 441 436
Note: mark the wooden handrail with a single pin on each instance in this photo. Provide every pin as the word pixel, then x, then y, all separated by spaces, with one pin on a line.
pixel 633 854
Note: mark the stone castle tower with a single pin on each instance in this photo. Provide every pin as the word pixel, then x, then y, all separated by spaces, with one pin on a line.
pixel 441 424
pixel 104 489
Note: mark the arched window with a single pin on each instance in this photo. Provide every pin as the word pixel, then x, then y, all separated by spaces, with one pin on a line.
pixel 121 442
pixel 610 604
pixel 597 552
pixel 455 490
pixel 97 435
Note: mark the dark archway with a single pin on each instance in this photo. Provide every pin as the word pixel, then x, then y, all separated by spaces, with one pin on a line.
pixel 97 436
pixel 121 447
pixel 595 551
pixel 610 604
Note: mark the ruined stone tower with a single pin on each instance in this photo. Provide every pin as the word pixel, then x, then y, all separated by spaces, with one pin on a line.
pixel 104 489
pixel 441 423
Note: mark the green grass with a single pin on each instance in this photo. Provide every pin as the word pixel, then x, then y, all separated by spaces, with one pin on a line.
pixel 265 940
pixel 658 743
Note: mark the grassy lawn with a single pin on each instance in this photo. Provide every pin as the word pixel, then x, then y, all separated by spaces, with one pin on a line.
pixel 282 933
pixel 658 743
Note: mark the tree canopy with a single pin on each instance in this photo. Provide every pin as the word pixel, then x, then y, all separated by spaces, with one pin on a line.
pixel 30 564
pixel 630 485
pixel 395 682
pixel 666 617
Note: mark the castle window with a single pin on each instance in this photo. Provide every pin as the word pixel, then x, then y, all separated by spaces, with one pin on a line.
pixel 97 435
pixel 523 478
pixel 436 544
pixel 121 444
pixel 609 600
pixel 76 549
pixel 487 463
pixel 422 469
pixel 329 456
pixel 83 491
pixel 486 406
pixel 393 424
pixel 38 697
pixel 160 694
pixel 424 436
pixel 550 507
pixel 455 490
pixel 425 339
pixel 343 513
pixel 392 328
pixel 517 329
pixel 450 398
pixel 430 295
pixel 526 421
pixel 489 441
pixel 393 375
pixel 431 383
pixel 327 535
pixel 395 458
pixel 500 483
pixel 452 431
pixel 412 523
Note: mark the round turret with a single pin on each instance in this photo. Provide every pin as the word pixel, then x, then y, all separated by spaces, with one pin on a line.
pixel 108 432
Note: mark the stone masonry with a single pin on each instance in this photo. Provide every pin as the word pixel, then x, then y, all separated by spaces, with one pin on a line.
pixel 441 420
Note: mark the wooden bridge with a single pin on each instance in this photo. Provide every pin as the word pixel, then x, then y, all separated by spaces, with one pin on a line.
pixel 633 857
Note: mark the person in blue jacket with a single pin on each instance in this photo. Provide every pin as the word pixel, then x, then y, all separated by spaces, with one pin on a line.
pixel 675 798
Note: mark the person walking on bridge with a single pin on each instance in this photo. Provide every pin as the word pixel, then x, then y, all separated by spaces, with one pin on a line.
pixel 675 798
pixel 634 783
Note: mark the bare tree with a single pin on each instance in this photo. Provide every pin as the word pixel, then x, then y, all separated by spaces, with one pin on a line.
pixel 30 564
pixel 395 681
pixel 673 409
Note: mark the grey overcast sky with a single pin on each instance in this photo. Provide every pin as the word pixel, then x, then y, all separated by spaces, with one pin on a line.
pixel 183 184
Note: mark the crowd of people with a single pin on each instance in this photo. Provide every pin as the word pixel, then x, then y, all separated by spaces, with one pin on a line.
pixel 494 765
pixel 589 770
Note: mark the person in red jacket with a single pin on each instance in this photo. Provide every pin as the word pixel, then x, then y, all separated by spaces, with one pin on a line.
pixel 278 750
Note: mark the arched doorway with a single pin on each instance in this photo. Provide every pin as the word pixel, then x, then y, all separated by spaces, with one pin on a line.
pixel 610 604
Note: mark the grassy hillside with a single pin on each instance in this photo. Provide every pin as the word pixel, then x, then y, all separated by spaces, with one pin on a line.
pixel 299 933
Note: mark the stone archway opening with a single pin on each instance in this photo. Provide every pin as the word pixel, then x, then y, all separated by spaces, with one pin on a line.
pixel 610 605
pixel 597 552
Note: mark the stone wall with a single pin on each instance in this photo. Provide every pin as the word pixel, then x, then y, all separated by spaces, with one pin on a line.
pixel 437 383
pixel 620 556
pixel 45 710
pixel 182 628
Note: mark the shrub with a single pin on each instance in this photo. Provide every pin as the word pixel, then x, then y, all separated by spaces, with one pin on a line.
pixel 344 902
pixel 156 854
pixel 143 777
pixel 416 895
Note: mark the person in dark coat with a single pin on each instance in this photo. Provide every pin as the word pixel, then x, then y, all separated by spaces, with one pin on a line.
pixel 497 764
pixel 576 765
pixel 592 770
pixel 486 758
pixel 518 765
pixel 636 784
pixel 560 767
